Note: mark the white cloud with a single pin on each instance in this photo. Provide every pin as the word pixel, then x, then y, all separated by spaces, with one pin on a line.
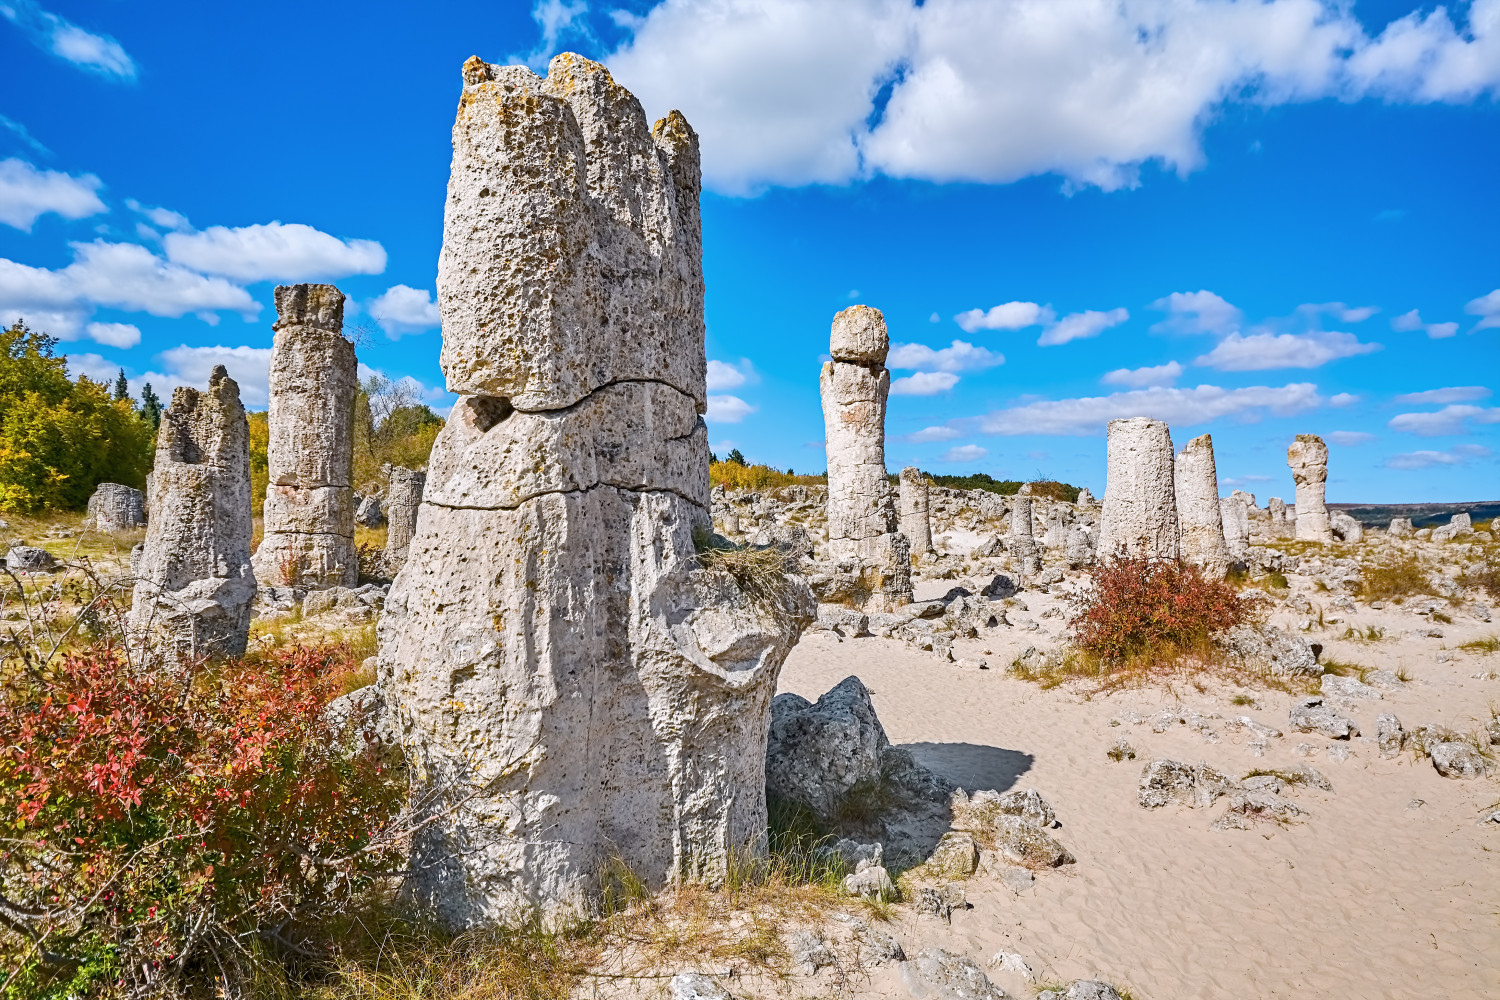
pixel 26 193
pixel 1196 312
pixel 726 375
pixel 114 334
pixel 1140 378
pixel 1343 399
pixel 1006 316
pixel 1487 307
pixel 403 309
pixel 1263 351
pixel 123 276
pixel 95 53
pixel 274 251
pixel 249 366
pixel 557 19
pixel 1355 315
pixel 923 384
pixel 1350 438
pixel 1081 325
pixel 1439 331
pixel 965 453
pixel 931 434
pixel 1183 407
pixel 1410 322
pixel 1453 419
pixel 1459 455
pixel 163 217
pixel 1448 394
pixel 727 409
pixel 959 357
pixel 95 367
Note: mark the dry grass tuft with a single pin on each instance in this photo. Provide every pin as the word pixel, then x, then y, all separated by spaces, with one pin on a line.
pixel 1396 578
pixel 1485 644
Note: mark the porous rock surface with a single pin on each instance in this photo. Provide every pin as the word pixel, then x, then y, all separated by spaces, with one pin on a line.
pixel 916 512
pixel 818 752
pixel 570 683
pixel 1140 506
pixel 1196 484
pixel 116 507
pixel 1308 459
pixel 863 522
pixel 309 511
pixel 194 581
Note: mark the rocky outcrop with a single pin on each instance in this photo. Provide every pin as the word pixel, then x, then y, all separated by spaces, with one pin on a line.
pixel 1308 459
pixel 114 507
pixel 1196 484
pixel 194 582
pixel 1140 507
pixel 309 511
pixel 403 498
pixel 818 753
pixel 863 524
pixel 916 512
pixel 1345 528
pixel 573 682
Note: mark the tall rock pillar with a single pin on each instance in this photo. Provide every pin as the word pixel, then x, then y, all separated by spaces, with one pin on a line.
pixel 309 511
pixel 863 524
pixel 1196 484
pixel 194 582
pixel 1236 521
pixel 1022 543
pixel 916 512
pixel 1308 459
pixel 573 682
pixel 1140 505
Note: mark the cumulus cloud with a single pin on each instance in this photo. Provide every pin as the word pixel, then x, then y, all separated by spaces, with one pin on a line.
pixel 27 193
pixel 1183 407
pixel 114 334
pixel 928 435
pixel 1350 438
pixel 1487 308
pixel 274 251
pixel 1081 325
pixel 184 365
pixel 1448 394
pixel 958 357
pixel 1006 316
pixel 727 375
pixel 727 409
pixel 88 51
pixel 923 384
pixel 1458 455
pixel 1196 312
pixel 965 453
pixel 1454 419
pixel 403 309
pixel 1140 378
pixel 163 217
pixel 1410 322
pixel 1343 399
pixel 1264 351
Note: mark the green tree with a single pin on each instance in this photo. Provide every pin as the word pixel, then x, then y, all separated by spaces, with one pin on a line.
pixel 735 457
pixel 391 427
pixel 151 406
pixel 122 388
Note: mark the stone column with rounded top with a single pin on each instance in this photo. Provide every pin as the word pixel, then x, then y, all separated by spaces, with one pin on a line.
pixel 1199 517
pixel 403 498
pixel 1308 459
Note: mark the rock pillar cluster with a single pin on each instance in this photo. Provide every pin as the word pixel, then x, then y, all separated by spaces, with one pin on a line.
pixel 863 524
pixel 115 507
pixel 194 582
pixel 573 683
pixel 403 497
pixel 1200 521
pixel 916 512
pixel 1140 506
pixel 1308 459
pixel 309 511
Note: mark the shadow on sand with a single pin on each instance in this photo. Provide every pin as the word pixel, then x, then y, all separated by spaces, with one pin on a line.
pixel 972 766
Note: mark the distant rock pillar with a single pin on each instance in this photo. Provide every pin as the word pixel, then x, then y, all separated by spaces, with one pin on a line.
pixel 916 512
pixel 115 507
pixel 1022 542
pixel 1196 483
pixel 1308 459
pixel 403 498
pixel 309 511
pixel 863 524
pixel 1280 522
pixel 194 582
pixel 1236 520
pixel 1140 506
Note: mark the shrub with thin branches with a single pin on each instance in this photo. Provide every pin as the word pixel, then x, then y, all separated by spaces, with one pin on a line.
pixel 1153 608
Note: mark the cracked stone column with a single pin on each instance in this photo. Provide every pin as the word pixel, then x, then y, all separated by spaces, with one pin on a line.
pixel 403 497
pixel 863 523
pixel 1022 542
pixel 1140 504
pixel 567 674
pixel 1308 459
pixel 916 512
pixel 194 582
pixel 1199 518
pixel 1236 520
pixel 309 511
pixel 114 507
pixel 1280 523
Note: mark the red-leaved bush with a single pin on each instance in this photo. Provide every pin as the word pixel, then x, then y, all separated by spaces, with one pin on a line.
pixel 1153 608
pixel 164 822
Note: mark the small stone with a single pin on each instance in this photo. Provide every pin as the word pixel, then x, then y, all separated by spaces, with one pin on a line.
pixel 1456 760
pixel 30 559
pixel 1416 803
pixel 697 986
pixel 368 512
pixel 873 883
pixel 1310 715
pixel 1195 785
pixel 1335 686
pixel 942 975
pixel 941 901
pixel 956 855
pixel 1017 879
pixel 1120 751
pixel 1026 843
pixel 1338 752
pixel 1009 961
pixel 810 952
pixel 878 947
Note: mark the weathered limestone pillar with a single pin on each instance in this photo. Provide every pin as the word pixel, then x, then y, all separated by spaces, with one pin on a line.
pixel 1055 536
pixel 403 497
pixel 194 582
pixel 573 682
pixel 114 507
pixel 1196 484
pixel 1086 499
pixel 916 512
pixel 1022 542
pixel 1236 521
pixel 1308 458
pixel 1280 524
pixel 309 511
pixel 863 525
pixel 1140 506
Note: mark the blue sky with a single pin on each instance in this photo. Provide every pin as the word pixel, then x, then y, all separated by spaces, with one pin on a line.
pixel 1248 218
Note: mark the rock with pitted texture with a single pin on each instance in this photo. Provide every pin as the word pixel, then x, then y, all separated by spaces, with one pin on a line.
pixel 114 507
pixel 916 512
pixel 818 753
pixel 1196 484
pixel 1308 459
pixel 1140 506
pixel 403 499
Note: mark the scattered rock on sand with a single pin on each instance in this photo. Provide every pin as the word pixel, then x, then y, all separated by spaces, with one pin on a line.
pixel 1269 647
pixel 956 855
pixel 942 975
pixel 810 952
pixel 1009 961
pixel 1248 806
pixel 1335 686
pixel 873 883
pixel 1389 736
pixel 979 812
pixel 1082 989
pixel 697 986
pixel 30 559
pixel 1026 843
pixel 1196 785
pixel 819 753
pixel 1456 760
pixel 1310 715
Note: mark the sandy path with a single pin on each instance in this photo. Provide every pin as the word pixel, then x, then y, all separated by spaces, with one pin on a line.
pixel 1361 897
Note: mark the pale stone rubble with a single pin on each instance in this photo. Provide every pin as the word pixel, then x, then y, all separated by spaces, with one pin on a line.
pixel 566 676
pixel 114 507
pixel 1196 483
pixel 194 581
pixel 309 510
pixel 1140 507
pixel 1308 459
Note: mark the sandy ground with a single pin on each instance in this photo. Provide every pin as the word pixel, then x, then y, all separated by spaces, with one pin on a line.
pixel 1363 896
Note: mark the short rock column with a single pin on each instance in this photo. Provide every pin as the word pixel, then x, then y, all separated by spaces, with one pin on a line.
pixel 403 497
pixel 1236 521
pixel 916 512
pixel 1196 483
pixel 115 507
pixel 1022 541
pixel 1308 459
pixel 1140 506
